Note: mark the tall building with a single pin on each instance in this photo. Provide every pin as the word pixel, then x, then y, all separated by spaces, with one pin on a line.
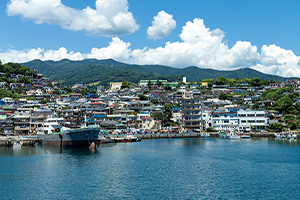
pixel 191 111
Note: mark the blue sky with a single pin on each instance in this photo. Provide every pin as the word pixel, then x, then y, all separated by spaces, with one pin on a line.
pixel 217 34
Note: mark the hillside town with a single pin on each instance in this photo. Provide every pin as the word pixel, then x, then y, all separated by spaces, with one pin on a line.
pixel 147 107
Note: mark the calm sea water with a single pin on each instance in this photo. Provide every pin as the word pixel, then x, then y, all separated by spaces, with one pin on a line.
pixel 155 169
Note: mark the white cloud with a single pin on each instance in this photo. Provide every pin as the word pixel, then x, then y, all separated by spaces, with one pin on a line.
pixel 278 61
pixel 199 46
pixel 38 53
pixel 117 49
pixel 162 26
pixel 110 18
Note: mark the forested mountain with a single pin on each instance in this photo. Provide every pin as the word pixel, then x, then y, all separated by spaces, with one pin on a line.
pixel 104 71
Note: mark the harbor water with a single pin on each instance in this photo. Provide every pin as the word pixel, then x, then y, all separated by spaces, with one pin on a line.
pixel 182 168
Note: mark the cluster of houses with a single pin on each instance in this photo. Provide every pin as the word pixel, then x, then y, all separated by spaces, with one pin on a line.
pixel 117 108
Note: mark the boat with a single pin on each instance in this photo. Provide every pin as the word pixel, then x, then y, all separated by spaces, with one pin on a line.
pixel 277 135
pixel 243 136
pixel 54 134
pixel 18 144
pixel 292 136
pixel 222 134
pixel 232 135
pixel 82 137
pixel 205 135
pixel 128 138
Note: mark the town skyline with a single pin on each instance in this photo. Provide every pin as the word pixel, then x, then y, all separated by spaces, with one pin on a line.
pixel 215 34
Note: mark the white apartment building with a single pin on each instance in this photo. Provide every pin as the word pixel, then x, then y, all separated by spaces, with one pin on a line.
pixel 225 119
pixel 252 119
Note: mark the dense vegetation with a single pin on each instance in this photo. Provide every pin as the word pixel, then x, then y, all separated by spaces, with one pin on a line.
pixel 71 72
pixel 16 68
pixel 8 93
pixel 101 72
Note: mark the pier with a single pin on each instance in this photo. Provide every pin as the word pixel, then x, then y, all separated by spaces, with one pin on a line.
pixel 9 140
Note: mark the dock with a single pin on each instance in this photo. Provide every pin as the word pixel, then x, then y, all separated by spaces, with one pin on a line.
pixel 9 141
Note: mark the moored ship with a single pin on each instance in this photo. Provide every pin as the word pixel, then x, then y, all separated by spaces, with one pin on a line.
pixel 82 137
pixel 53 133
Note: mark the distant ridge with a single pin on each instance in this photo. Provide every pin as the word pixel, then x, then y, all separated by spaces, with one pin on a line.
pixel 102 72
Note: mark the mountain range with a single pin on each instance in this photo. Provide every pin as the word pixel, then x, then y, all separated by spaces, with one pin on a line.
pixel 102 72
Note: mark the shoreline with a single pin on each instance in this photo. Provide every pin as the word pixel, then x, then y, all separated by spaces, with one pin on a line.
pixel 9 140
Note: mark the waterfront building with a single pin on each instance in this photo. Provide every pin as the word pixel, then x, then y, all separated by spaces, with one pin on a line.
pixel 191 111
pixel 250 120
pixel 225 118
pixel 21 124
pixel 36 124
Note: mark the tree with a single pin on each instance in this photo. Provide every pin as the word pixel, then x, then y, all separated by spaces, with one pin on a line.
pixel 222 81
pixel 210 129
pixel 149 84
pixel 255 106
pixel 142 97
pixel 145 91
pixel 125 84
pixel 56 91
pixel 24 79
pixel 284 105
pixel 168 88
pixel 159 83
pixel 276 126
pixel 223 96
pixel 155 101
pixel 67 89
pixel 292 125
pixel 255 82
pixel 50 85
pixel 167 110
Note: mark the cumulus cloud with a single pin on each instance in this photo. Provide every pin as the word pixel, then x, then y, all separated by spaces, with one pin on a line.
pixel 199 46
pixel 39 53
pixel 110 18
pixel 162 26
pixel 117 49
pixel 278 61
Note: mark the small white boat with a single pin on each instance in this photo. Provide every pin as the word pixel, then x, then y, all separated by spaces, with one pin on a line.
pixel 18 144
pixel 232 135
pixel 292 136
pixel 229 136
pixel 205 135
pixel 280 136
pixel 245 136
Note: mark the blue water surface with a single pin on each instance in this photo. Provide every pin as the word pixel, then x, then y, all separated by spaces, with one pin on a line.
pixel 195 168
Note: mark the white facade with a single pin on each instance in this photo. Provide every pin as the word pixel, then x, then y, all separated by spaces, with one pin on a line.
pixel 250 119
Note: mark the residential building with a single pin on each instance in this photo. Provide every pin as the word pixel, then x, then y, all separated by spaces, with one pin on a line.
pixel 253 120
pixel 191 111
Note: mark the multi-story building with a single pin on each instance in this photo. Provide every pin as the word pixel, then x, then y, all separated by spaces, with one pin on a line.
pixel 225 119
pixel 191 111
pixel 36 123
pixel 21 124
pixel 250 120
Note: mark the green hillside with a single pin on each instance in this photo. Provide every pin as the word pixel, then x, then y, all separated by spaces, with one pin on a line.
pixel 104 71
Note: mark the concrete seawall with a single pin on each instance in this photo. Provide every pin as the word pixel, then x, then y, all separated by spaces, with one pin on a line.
pixel 171 135
pixel 9 141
